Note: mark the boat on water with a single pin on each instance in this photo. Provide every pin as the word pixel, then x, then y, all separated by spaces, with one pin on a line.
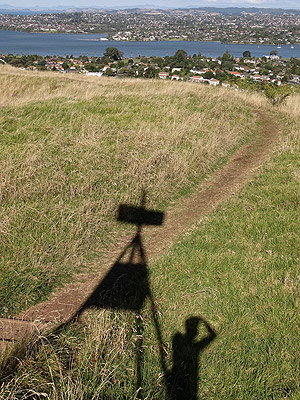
pixel 292 46
pixel 279 46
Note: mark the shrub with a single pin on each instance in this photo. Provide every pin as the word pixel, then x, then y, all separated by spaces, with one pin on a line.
pixel 277 94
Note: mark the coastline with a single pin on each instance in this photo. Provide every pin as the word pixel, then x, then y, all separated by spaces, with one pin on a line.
pixel 146 41
pixel 19 42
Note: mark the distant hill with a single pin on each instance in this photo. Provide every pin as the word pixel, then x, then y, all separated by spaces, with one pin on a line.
pixel 8 9
pixel 251 10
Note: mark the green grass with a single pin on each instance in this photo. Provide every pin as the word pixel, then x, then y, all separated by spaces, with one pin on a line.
pixel 66 164
pixel 68 161
pixel 238 269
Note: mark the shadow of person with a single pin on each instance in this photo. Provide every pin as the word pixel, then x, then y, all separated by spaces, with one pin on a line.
pixel 182 379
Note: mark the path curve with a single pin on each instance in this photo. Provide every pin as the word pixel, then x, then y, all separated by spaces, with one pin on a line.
pixel 218 188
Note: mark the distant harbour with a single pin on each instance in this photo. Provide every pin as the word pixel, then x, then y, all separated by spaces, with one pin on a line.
pixel 95 44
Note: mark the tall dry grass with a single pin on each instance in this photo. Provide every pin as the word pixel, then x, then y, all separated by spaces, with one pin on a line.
pixel 254 99
pixel 20 87
pixel 289 112
pixel 81 376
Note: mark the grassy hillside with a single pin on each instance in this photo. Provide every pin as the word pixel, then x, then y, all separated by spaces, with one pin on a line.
pixel 237 269
pixel 73 149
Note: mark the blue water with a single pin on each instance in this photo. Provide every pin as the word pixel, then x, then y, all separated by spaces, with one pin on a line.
pixel 76 44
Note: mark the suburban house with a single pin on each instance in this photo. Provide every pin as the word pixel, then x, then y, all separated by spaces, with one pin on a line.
pixel 197 79
pixel 163 75
pixel 256 78
pixel 213 82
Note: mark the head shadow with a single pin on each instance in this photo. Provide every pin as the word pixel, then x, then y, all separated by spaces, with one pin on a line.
pixel 182 378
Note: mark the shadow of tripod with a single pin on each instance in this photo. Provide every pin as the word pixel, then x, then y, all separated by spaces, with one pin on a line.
pixel 126 285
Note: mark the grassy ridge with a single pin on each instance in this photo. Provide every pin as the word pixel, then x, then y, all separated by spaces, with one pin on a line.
pixel 73 149
pixel 237 268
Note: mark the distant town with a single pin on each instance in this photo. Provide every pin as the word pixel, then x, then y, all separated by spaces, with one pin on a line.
pixel 237 72
pixel 256 27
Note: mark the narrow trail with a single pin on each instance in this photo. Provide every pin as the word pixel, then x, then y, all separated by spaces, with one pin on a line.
pixel 218 188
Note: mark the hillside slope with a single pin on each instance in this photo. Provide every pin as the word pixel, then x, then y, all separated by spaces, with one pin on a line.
pixel 72 150
pixel 220 318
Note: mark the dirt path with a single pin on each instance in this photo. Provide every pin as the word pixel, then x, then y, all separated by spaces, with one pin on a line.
pixel 218 188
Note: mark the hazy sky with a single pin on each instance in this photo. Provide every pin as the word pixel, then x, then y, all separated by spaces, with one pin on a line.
pixel 165 3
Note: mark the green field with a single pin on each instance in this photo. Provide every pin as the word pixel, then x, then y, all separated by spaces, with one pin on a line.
pixel 76 151
pixel 237 269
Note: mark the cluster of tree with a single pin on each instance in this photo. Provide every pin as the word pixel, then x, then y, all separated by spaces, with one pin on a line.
pixel 110 55
pixel 24 61
pixel 294 66
pixel 227 62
